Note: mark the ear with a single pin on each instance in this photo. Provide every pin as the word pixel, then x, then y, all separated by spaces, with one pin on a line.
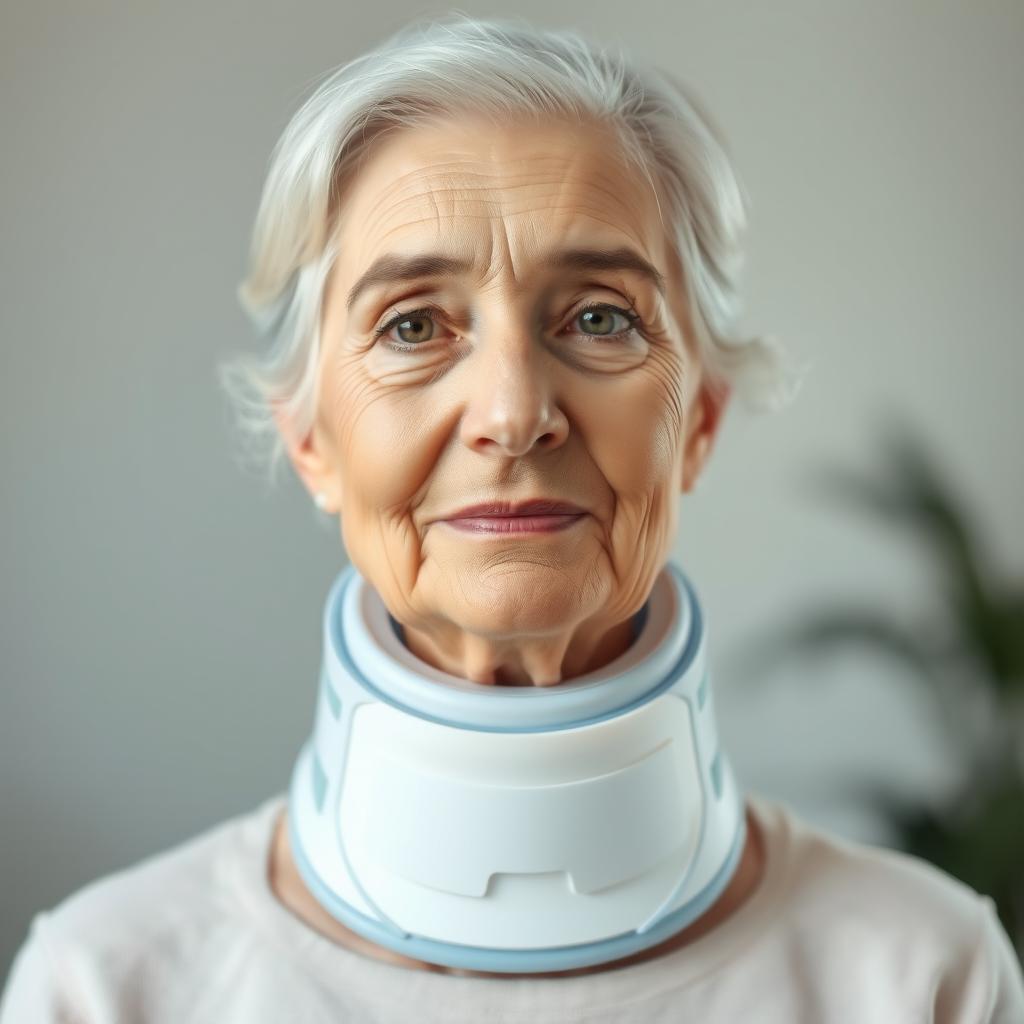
pixel 312 458
pixel 703 424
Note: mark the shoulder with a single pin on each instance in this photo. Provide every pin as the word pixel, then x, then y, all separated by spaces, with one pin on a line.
pixel 886 914
pixel 152 914
pixel 138 925
pixel 859 880
pixel 144 936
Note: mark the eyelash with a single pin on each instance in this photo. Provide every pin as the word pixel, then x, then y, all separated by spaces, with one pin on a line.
pixel 431 312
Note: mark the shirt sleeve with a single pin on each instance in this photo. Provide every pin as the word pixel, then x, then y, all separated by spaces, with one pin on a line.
pixel 1005 978
pixel 981 983
pixel 35 991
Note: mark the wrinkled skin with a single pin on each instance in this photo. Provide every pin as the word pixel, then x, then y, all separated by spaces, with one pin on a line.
pixel 507 392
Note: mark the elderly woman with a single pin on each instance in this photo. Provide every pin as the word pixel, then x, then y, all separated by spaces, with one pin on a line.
pixel 498 270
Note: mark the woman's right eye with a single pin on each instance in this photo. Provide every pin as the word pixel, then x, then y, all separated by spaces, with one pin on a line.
pixel 411 322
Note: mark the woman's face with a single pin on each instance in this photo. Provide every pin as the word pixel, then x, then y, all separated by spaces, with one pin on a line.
pixel 506 388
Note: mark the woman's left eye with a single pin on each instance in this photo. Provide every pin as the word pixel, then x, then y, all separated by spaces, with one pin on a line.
pixel 600 315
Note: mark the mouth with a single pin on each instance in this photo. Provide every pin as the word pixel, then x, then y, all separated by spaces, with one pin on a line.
pixel 538 515
pixel 508 525
pixel 506 509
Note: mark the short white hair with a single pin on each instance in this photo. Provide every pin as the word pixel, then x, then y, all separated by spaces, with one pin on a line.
pixel 497 67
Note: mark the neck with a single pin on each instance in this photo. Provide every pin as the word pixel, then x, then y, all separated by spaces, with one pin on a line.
pixel 521 661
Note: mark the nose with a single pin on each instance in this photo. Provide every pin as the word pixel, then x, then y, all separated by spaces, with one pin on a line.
pixel 512 408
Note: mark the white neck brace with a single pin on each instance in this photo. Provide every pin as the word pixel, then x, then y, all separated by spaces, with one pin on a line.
pixel 515 829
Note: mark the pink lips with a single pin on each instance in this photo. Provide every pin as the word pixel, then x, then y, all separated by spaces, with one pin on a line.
pixel 539 515
pixel 514 524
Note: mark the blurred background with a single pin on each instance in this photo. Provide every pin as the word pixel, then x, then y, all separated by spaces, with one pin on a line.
pixel 859 555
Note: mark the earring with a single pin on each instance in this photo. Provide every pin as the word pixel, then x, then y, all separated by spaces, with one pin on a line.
pixel 321 501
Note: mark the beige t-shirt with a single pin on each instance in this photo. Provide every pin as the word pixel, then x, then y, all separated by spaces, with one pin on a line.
pixel 835 932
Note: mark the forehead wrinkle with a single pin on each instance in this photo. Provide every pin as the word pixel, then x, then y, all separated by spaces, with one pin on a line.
pixel 596 194
pixel 410 182
pixel 631 227
pixel 436 197
pixel 486 269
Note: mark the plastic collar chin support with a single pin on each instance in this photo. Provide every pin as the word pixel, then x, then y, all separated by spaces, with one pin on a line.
pixel 515 829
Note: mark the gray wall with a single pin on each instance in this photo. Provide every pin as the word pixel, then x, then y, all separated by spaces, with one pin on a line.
pixel 160 612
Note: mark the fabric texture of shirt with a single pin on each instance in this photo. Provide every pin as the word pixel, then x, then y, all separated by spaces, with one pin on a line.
pixel 835 931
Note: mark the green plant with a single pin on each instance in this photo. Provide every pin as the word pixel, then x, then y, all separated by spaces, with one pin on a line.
pixel 966 647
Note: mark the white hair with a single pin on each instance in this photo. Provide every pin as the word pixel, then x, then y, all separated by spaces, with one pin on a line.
pixel 498 68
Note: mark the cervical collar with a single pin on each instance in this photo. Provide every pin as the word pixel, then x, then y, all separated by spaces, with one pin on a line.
pixel 514 829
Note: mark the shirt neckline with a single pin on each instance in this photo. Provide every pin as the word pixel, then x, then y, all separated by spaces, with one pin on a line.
pixel 374 982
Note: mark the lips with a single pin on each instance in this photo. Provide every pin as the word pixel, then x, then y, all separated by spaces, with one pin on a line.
pixel 509 509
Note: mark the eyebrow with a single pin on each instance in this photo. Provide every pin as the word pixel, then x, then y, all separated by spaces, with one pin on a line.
pixel 392 268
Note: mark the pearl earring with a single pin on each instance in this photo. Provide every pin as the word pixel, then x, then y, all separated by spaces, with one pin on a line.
pixel 321 501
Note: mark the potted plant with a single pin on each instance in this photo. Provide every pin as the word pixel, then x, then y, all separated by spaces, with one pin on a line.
pixel 965 643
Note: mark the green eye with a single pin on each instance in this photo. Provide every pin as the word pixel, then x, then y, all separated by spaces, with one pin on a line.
pixel 412 316
pixel 602 316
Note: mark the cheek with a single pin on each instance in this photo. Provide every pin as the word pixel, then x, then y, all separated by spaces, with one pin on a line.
pixel 640 431
pixel 382 440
